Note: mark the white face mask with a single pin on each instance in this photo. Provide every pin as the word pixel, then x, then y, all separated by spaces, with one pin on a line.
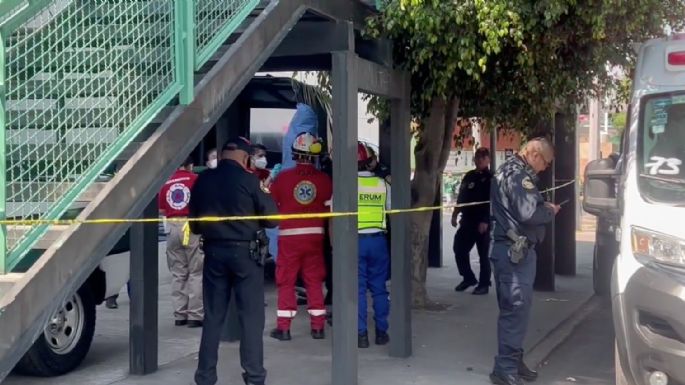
pixel 260 162
pixel 212 163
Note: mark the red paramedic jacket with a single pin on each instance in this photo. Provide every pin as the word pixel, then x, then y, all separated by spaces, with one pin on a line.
pixel 299 190
pixel 175 194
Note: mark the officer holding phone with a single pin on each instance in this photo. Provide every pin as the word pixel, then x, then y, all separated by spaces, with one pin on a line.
pixel 519 217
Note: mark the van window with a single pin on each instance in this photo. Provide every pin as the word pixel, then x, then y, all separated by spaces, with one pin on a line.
pixel 661 148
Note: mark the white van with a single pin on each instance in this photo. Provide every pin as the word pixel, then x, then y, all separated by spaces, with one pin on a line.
pixel 642 193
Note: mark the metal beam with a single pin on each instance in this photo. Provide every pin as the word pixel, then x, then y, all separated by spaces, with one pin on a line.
pixel 345 238
pixel 378 80
pixel 331 37
pixel 400 311
pixel 375 50
pixel 144 278
pixel 312 38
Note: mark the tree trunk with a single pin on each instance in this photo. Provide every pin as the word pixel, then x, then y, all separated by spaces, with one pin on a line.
pixel 431 153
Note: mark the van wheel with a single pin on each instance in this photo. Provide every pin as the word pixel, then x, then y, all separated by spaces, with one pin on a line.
pixel 620 374
pixel 65 340
pixel 601 271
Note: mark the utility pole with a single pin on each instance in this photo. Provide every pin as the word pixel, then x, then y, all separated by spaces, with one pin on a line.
pixel 594 129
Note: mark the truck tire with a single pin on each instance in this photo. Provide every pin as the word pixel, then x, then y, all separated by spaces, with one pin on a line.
pixel 605 253
pixel 620 374
pixel 601 271
pixel 66 339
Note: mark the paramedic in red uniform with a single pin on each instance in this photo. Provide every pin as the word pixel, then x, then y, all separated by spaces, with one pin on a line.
pixel 302 189
pixel 185 260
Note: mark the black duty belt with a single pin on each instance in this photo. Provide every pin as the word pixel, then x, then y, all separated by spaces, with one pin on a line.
pixel 226 242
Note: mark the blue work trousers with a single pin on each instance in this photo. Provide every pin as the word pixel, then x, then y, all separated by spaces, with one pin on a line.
pixel 514 284
pixel 373 272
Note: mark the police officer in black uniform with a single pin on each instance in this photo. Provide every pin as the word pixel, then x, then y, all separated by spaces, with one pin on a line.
pixel 231 262
pixel 519 215
pixel 474 224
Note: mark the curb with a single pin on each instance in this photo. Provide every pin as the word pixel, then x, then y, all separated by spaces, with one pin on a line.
pixel 540 352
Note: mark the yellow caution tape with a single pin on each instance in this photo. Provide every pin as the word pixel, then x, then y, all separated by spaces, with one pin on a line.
pixel 186 234
pixel 277 217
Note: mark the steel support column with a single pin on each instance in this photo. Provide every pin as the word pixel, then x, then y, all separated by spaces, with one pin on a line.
pixel 545 277
pixel 345 239
pixel 564 170
pixel 493 149
pixel 144 281
pixel 400 311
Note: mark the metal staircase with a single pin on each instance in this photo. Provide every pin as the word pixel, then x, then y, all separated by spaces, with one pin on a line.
pixel 125 88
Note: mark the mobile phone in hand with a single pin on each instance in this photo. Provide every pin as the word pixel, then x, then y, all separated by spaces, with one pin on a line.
pixel 564 202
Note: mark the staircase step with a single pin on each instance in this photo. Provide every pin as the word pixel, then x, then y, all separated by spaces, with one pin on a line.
pixel 19 210
pixel 48 191
pixel 52 170
pixel 151 60
pixel 66 152
pixel 7 281
pixel 15 233
pixel 96 35
pixel 147 11
pixel 74 85
pixel 72 113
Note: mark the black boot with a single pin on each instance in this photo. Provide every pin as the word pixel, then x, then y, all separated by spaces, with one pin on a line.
pixel 465 284
pixel 481 290
pixel 111 302
pixel 382 338
pixel 526 373
pixel 318 334
pixel 363 341
pixel 281 335
pixel 505 379
pixel 247 381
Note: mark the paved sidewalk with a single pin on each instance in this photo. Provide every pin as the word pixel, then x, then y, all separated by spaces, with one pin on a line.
pixel 451 347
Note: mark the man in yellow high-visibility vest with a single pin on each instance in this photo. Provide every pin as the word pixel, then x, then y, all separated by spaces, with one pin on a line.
pixel 373 200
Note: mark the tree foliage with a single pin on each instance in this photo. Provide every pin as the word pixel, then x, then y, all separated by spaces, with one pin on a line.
pixel 517 60
pixel 509 62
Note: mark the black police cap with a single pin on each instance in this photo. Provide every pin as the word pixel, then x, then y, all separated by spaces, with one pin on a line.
pixel 238 143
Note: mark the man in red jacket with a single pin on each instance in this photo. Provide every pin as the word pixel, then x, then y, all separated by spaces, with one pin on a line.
pixel 298 190
pixel 184 257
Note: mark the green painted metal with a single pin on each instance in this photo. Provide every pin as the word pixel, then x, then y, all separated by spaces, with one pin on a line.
pixel 185 48
pixel 79 81
pixel 80 116
pixel 9 8
pixel 215 21
pixel 3 228
pixel 20 12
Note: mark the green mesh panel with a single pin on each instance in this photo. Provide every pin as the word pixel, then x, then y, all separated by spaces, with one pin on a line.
pixel 82 80
pixel 215 21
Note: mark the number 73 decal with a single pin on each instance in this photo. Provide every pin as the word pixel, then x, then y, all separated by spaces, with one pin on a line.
pixel 663 166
